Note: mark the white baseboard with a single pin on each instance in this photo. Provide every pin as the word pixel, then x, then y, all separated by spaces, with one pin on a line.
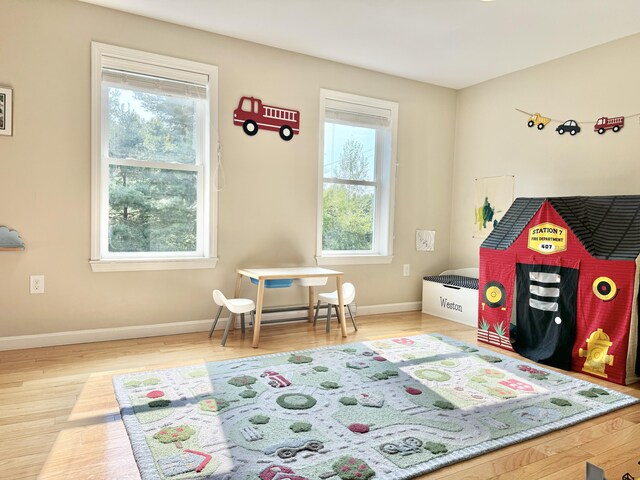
pixel 103 334
pixel 389 308
pixel 139 331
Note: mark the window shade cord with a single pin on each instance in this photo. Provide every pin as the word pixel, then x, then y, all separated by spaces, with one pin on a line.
pixel 219 171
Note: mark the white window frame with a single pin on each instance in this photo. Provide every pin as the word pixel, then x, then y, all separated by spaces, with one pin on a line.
pixel 205 256
pixel 385 182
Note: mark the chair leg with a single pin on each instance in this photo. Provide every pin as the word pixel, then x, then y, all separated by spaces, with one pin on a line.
pixel 242 322
pixel 353 320
pixel 315 317
pixel 226 330
pixel 253 318
pixel 215 322
pixel 328 317
pixel 335 307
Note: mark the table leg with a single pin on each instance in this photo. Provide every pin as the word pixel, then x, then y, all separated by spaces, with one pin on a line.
pixel 256 326
pixel 312 301
pixel 236 294
pixel 343 323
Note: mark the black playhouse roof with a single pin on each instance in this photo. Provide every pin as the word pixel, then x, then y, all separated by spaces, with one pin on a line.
pixel 608 227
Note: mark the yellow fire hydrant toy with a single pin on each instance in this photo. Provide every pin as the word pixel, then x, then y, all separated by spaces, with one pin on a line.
pixel 596 353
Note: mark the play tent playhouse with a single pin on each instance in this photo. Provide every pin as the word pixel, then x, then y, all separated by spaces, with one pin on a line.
pixel 559 284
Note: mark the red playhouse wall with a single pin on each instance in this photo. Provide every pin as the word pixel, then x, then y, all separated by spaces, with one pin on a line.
pixel 596 319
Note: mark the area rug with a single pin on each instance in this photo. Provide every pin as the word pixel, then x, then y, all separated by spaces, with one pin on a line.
pixel 387 409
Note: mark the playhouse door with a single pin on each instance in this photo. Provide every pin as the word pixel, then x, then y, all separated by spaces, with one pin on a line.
pixel 546 313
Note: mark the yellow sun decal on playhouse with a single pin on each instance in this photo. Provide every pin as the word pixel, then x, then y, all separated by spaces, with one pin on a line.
pixel 547 238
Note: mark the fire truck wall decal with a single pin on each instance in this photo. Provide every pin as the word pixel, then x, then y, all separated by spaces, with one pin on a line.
pixel 253 115
pixel 572 127
pixel 608 123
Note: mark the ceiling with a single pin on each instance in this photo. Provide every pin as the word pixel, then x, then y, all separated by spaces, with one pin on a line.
pixel 453 43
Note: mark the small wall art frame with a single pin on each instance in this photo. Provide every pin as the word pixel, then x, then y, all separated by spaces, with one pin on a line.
pixel 6 113
pixel 493 197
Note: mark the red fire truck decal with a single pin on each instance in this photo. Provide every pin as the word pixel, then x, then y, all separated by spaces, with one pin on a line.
pixel 608 123
pixel 275 380
pixel 280 472
pixel 253 115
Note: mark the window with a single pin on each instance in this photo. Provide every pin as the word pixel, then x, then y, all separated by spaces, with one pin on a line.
pixel 357 179
pixel 153 121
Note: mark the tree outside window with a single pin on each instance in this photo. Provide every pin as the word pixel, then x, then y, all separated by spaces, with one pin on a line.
pixel 357 179
pixel 151 209
pixel 153 123
pixel 348 205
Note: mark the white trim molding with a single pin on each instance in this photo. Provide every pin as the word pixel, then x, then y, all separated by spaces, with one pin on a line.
pixel 140 265
pixel 389 308
pixel 160 329
pixel 354 259
pixel 381 116
pixel 200 78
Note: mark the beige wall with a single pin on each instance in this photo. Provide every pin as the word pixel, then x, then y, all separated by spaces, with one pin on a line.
pixel 45 172
pixel 493 139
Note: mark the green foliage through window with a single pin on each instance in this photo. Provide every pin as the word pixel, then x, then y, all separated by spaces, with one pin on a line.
pixel 348 209
pixel 149 126
pixel 152 209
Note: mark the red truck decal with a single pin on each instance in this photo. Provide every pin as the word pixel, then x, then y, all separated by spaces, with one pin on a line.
pixel 608 123
pixel 252 115
pixel 279 472
pixel 275 380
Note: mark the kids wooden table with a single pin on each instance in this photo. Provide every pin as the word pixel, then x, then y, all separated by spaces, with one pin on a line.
pixel 264 274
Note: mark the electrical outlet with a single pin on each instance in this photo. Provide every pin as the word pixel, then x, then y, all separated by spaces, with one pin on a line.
pixel 36 284
pixel 406 270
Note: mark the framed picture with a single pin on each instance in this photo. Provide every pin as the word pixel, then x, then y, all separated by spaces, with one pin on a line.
pixel 6 98
pixel 493 197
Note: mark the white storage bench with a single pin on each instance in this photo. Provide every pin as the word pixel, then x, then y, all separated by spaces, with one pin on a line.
pixel 452 295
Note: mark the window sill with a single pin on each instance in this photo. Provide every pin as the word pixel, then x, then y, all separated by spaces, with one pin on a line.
pixel 353 259
pixel 99 266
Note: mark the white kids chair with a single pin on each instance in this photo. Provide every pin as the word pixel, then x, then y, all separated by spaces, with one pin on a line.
pixel 348 295
pixel 235 306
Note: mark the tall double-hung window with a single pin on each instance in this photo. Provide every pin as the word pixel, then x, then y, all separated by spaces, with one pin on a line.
pixel 153 125
pixel 357 179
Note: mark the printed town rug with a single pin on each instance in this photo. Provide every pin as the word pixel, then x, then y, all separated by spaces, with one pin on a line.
pixel 388 409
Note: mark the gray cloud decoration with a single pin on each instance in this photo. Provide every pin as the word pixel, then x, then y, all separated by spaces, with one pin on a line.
pixel 10 238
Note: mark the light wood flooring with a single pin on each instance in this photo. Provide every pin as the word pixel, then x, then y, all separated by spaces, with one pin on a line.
pixel 59 418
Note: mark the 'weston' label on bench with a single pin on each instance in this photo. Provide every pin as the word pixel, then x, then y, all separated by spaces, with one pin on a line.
pixel 450 305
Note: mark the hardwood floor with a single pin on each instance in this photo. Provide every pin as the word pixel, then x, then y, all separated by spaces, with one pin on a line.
pixel 59 418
